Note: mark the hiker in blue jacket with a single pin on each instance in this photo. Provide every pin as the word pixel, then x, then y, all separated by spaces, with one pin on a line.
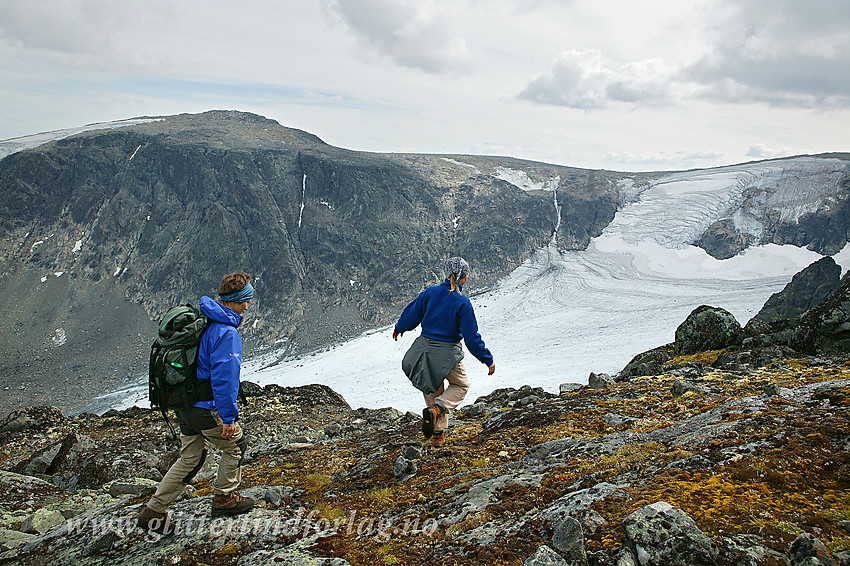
pixel 446 316
pixel 213 421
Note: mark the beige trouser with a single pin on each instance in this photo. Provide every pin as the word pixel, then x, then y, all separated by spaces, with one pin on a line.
pixel 449 397
pixel 193 452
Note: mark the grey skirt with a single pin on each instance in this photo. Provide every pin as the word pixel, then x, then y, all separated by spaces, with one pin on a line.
pixel 428 362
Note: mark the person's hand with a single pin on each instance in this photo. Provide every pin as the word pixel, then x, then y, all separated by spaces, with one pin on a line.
pixel 396 335
pixel 229 430
pixel 492 369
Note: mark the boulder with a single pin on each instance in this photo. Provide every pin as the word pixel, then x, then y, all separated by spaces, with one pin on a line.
pixel 808 550
pixel 10 539
pixel 545 556
pixel 37 418
pixel 722 239
pixel 599 380
pixel 807 289
pixel 647 363
pixel 475 410
pixel 613 419
pixel 682 386
pixel 707 328
pixel 133 486
pixel 42 521
pixel 403 469
pixel 663 535
pixel 751 550
pixel 568 540
pixel 414 452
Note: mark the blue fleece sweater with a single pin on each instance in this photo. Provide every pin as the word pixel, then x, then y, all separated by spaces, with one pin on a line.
pixel 445 316
pixel 220 359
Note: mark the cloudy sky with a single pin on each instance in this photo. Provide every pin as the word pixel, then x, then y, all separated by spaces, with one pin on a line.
pixel 661 84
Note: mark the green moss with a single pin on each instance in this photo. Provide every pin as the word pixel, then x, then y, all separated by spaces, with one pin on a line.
pixel 706 358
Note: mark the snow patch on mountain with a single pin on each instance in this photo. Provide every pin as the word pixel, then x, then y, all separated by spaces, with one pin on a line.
pixel 523 181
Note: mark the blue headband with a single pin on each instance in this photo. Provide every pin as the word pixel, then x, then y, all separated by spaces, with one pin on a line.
pixel 246 294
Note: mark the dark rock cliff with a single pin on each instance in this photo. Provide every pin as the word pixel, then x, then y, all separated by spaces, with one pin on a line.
pixel 807 289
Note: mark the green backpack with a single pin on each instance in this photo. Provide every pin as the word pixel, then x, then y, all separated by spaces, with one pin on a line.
pixel 173 372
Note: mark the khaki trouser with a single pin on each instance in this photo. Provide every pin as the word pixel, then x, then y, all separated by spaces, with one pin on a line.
pixel 449 397
pixel 193 452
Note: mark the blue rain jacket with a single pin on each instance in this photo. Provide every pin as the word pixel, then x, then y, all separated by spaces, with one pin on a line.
pixel 220 359
pixel 445 316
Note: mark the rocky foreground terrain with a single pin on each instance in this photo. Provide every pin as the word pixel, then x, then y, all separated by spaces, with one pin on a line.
pixel 734 455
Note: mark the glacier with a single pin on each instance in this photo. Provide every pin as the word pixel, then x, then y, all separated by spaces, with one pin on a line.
pixel 562 315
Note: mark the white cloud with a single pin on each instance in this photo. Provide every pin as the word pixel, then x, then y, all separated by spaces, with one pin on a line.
pixel 419 34
pixel 666 160
pixel 98 34
pixel 761 151
pixel 585 79
pixel 792 54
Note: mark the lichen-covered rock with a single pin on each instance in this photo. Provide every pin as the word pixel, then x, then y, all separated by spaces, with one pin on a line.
pixel 682 386
pixel 545 556
pixel 707 328
pixel 288 556
pixel 663 535
pixel 646 363
pixel 132 486
pixel 568 540
pixel 751 550
pixel 10 539
pixel 808 550
pixel 42 521
pixel 403 469
pixel 38 418
pixel 577 503
pixel 599 380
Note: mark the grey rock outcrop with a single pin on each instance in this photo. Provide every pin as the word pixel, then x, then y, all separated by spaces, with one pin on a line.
pixel 807 289
pixel 808 550
pixel 707 328
pixel 722 240
pixel 663 535
pixel 545 556
pixel 599 380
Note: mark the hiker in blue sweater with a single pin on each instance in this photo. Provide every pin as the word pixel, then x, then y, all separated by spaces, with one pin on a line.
pixel 211 422
pixel 446 316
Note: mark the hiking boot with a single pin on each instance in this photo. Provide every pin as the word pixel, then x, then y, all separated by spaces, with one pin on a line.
pixel 231 504
pixel 429 418
pixel 439 439
pixel 154 521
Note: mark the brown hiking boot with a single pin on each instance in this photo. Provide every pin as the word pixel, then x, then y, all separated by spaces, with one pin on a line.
pixel 429 419
pixel 439 439
pixel 154 521
pixel 231 504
